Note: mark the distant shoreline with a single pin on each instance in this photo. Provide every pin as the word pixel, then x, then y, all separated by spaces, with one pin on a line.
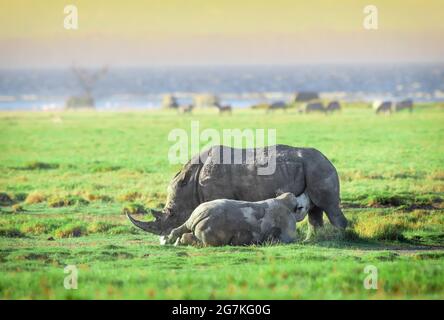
pixel 239 86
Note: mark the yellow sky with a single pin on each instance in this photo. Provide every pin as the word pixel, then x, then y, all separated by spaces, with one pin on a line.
pixel 219 31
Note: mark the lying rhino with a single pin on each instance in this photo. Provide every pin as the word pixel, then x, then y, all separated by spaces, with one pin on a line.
pixel 233 222
pixel 206 177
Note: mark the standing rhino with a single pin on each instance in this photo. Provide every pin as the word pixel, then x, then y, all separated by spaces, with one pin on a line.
pixel 233 222
pixel 206 177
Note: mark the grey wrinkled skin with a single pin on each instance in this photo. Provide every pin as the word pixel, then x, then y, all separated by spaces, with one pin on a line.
pixel 233 222
pixel 204 179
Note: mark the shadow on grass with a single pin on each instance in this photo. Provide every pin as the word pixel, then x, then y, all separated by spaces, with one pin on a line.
pixel 38 165
pixel 367 244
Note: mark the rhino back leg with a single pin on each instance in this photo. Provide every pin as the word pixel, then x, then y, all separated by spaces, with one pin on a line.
pixel 207 231
pixel 323 190
pixel 315 217
pixel 336 216
pixel 327 201
pixel 315 221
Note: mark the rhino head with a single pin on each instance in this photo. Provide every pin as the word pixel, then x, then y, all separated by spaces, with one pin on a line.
pixel 182 198
pixel 299 205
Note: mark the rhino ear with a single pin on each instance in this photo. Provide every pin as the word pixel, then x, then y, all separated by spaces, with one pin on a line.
pixel 186 175
pixel 183 182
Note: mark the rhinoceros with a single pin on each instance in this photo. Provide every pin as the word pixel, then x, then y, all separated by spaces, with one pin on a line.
pixel 208 176
pixel 233 222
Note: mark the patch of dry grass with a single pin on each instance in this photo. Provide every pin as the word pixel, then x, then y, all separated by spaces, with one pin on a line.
pixel 392 226
pixel 35 197
pixel 72 230
pixel 130 196
pixel 64 201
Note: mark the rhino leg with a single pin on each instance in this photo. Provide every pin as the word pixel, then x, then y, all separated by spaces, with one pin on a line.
pixel 323 187
pixel 176 234
pixel 324 193
pixel 315 218
pixel 315 221
pixel 189 239
pixel 336 216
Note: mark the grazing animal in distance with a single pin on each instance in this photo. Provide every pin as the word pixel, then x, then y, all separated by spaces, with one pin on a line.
pixel 224 109
pixel 233 222
pixel 314 107
pixel 406 104
pixel 185 109
pixel 333 106
pixel 382 106
pixel 206 177
pixel 169 101
pixel 276 106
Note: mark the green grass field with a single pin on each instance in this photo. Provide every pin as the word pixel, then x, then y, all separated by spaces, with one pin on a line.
pixel 65 178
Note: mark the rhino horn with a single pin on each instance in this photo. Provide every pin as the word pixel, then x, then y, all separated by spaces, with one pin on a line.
pixel 152 227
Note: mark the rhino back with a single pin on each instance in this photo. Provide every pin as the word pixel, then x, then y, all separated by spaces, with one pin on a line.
pixel 242 181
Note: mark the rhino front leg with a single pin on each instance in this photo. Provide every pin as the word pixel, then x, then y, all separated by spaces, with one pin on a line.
pixel 315 221
pixel 188 239
pixel 175 235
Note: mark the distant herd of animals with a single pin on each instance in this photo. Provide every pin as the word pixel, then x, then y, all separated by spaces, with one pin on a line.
pixel 389 106
pixel 309 102
pixel 308 107
pixel 170 102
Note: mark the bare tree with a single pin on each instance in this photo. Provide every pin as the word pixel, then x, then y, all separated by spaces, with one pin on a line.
pixel 87 81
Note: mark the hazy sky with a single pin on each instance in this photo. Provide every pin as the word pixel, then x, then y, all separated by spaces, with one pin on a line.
pixel 209 32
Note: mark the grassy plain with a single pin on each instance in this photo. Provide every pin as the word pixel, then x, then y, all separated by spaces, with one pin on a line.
pixel 65 177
